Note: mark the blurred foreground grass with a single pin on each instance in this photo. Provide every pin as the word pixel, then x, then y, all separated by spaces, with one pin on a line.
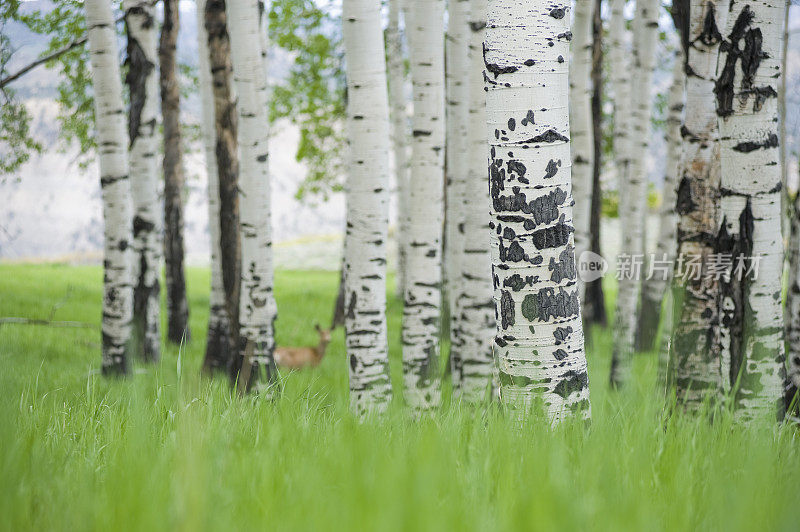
pixel 169 450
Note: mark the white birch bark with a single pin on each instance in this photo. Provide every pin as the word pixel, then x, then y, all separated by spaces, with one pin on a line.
pixel 421 312
pixel 748 74
pixel 580 96
pixel 457 86
pixel 367 194
pixel 112 147
pixel 632 185
pixel 218 339
pixel 473 367
pixel 144 176
pixel 656 287
pixel 694 350
pixel 257 309
pixel 539 341
pixel 400 132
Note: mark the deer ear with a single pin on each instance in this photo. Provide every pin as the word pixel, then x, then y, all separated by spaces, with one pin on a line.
pixel 316 327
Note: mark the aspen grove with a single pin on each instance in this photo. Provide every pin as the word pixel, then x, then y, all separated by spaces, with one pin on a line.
pixel 467 186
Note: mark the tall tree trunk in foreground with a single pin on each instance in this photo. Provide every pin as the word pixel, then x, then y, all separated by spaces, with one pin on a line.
pixel 630 187
pixel 257 308
pixel 655 289
pixel 367 207
pixel 226 151
pixel 218 346
pixel 539 342
pixel 112 142
pixel 472 369
pixel 594 304
pixel 748 73
pixel 397 101
pixel 580 96
pixel 457 74
pixel 177 305
pixel 694 350
pixel 421 313
pixel 142 124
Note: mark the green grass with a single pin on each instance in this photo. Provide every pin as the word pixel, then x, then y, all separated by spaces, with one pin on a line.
pixel 168 449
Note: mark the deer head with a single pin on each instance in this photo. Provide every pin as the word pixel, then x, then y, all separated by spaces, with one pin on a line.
pixel 324 340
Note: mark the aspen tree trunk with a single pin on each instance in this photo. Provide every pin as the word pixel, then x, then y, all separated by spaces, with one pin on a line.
pixel 785 218
pixel 142 124
pixel 472 369
pixel 633 185
pixel 748 73
pixel 580 95
pixel 257 308
pixel 421 313
pixel 367 208
pixel 227 157
pixel 218 338
pixel 457 74
pixel 539 342
pixel 112 151
pixel 177 304
pixel 655 288
pixel 594 303
pixel 694 349
pixel 400 132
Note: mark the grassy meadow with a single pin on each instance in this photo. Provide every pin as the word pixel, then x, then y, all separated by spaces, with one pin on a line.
pixel 168 449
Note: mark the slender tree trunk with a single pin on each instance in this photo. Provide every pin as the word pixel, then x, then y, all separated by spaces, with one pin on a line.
pixel 257 309
pixel 218 342
pixel 655 289
pixel 539 342
pixel 594 304
pixel 457 74
pixel 399 115
pixel 226 152
pixel 367 208
pixel 748 73
pixel 473 367
pixel 177 305
pixel 633 186
pixel 580 97
pixel 421 313
pixel 112 150
pixel 694 349
pixel 142 124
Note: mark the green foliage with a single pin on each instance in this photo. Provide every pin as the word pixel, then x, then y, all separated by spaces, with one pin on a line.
pixel 168 450
pixel 312 96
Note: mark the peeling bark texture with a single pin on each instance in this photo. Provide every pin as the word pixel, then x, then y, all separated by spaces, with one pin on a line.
pixel 751 328
pixel 594 302
pixel 400 133
pixel 227 157
pixel 142 124
pixel 473 310
pixel 457 109
pixel 421 313
pixel 367 193
pixel 633 183
pixel 257 308
pixel 655 289
pixel 539 341
pixel 112 149
pixel 457 93
pixel 694 349
pixel 218 341
pixel 177 304
pixel 580 96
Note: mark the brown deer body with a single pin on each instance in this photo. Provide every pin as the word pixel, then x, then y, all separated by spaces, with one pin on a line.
pixel 300 357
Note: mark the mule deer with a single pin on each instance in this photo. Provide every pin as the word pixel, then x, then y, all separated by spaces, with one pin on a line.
pixel 299 357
